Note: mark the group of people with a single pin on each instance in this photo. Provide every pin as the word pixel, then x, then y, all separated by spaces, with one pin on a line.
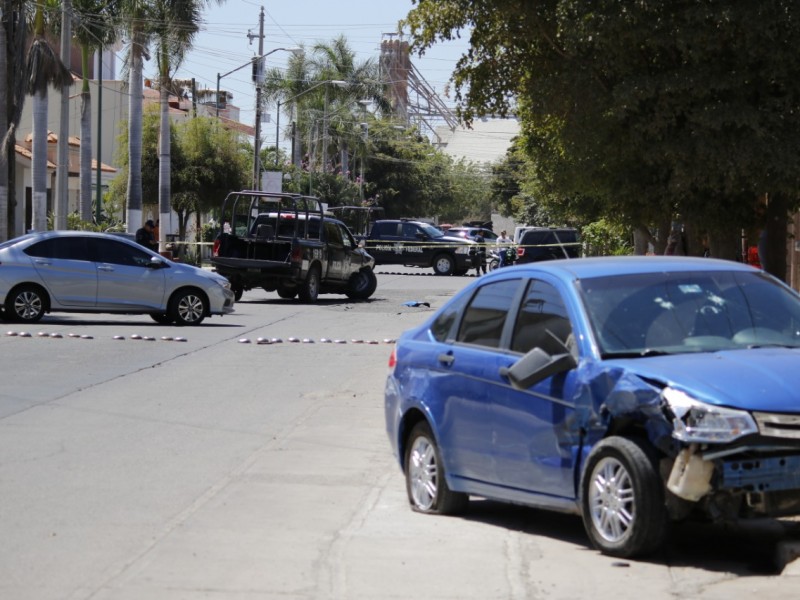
pixel 503 244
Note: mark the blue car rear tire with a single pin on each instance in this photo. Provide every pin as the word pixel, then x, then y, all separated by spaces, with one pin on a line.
pixel 427 488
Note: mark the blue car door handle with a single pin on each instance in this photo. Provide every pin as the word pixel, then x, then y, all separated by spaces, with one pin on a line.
pixel 105 268
pixel 446 358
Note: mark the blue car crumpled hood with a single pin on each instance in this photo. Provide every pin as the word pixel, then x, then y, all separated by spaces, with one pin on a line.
pixel 760 379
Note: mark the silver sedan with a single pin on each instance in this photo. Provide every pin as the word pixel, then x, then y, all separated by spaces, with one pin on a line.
pixel 86 272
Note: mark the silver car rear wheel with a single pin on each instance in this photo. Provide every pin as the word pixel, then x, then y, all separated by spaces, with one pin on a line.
pixel 26 304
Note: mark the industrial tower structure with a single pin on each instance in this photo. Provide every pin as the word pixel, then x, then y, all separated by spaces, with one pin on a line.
pixel 413 99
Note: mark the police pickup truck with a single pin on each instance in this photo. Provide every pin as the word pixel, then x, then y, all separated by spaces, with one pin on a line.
pixel 286 243
pixel 415 243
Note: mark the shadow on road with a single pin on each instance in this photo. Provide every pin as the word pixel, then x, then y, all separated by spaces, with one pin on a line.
pixel 747 550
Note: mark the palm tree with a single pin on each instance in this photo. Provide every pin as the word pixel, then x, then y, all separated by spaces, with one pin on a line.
pixel 3 127
pixel 175 25
pixel 12 65
pixel 95 29
pixel 44 69
pixel 136 16
pixel 334 61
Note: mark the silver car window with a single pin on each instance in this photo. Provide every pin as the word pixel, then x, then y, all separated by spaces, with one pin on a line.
pixel 62 248
pixel 120 253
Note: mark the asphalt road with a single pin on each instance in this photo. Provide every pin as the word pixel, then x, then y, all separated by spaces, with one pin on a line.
pixel 217 467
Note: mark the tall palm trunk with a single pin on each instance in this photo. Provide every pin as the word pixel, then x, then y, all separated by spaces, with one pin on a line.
pixel 135 136
pixel 15 17
pixel 39 161
pixel 5 153
pixel 164 165
pixel 85 202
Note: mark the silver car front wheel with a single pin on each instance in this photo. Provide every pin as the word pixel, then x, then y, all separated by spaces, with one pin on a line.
pixel 188 307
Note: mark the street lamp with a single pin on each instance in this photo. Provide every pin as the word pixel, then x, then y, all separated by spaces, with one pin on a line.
pixel 257 140
pixel 336 82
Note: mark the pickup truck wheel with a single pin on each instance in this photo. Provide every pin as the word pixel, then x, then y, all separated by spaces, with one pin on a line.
pixel 443 264
pixel 309 290
pixel 237 291
pixel 362 285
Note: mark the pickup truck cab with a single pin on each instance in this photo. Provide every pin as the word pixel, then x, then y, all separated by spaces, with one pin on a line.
pixel 419 244
pixel 286 243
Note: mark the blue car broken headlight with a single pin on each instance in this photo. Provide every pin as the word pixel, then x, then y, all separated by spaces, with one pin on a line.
pixel 697 421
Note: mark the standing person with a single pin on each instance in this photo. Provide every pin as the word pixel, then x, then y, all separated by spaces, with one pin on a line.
pixel 480 255
pixel 144 236
pixel 504 242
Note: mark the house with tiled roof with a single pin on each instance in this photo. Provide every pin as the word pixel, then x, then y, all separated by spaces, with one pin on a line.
pixel 112 104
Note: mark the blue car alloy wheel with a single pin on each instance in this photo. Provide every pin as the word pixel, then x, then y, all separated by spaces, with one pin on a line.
pixel 425 482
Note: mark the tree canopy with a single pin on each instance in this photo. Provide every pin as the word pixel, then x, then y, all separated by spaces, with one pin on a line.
pixel 688 107
pixel 207 162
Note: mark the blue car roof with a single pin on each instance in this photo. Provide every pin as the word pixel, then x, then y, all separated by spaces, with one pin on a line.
pixel 585 268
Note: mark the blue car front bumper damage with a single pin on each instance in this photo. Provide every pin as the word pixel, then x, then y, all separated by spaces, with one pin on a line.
pixel 761 474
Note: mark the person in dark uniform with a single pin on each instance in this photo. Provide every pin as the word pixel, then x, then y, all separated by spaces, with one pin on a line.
pixel 480 255
pixel 145 237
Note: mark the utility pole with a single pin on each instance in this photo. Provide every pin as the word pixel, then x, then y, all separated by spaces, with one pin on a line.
pixel 259 78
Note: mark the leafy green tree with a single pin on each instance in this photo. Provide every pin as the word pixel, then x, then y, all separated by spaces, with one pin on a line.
pixel 208 161
pixel 682 109
pixel 470 193
pixel 211 165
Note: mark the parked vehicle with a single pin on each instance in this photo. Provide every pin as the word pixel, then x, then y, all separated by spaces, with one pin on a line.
pixel 547 243
pixel 419 244
pixel 86 272
pixel 472 232
pixel 633 391
pixel 285 243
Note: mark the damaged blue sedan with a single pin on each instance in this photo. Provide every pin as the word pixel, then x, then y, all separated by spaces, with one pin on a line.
pixel 633 391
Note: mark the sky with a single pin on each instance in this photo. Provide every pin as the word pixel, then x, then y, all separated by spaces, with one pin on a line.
pixel 223 44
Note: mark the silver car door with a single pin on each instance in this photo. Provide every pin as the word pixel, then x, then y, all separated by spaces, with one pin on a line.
pixel 64 265
pixel 126 278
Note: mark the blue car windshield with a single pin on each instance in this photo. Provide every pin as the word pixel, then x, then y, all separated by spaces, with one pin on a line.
pixel 670 313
